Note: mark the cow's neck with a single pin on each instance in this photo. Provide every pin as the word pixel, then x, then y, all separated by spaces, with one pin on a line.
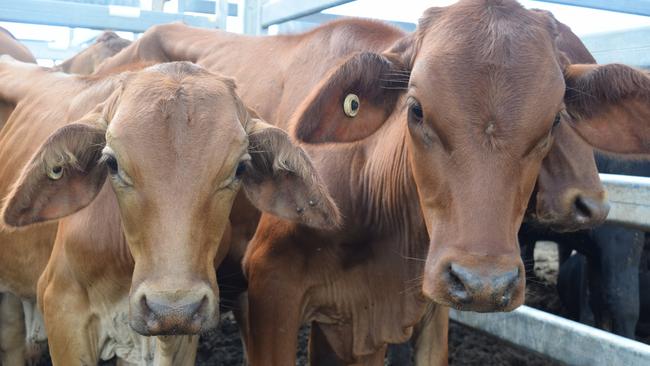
pixel 387 188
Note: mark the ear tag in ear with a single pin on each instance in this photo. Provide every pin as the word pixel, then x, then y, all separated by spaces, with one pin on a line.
pixel 55 172
pixel 351 105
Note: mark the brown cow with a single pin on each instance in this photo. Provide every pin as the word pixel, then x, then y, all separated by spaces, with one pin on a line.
pixel 85 62
pixel 15 314
pixel 569 195
pixel 152 160
pixel 444 131
pixel 9 45
pixel 13 311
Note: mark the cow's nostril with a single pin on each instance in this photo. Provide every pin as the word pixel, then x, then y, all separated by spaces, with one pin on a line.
pixel 457 286
pixel 590 210
pixel 146 311
pixel 506 284
pixel 583 208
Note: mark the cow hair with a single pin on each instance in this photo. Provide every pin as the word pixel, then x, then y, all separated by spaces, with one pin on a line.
pixel 373 77
pixel 588 93
pixel 75 148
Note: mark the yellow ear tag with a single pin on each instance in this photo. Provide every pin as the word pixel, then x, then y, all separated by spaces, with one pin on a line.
pixel 55 172
pixel 351 105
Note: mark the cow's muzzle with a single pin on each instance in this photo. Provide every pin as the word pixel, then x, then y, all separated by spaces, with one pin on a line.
pixel 173 312
pixel 491 285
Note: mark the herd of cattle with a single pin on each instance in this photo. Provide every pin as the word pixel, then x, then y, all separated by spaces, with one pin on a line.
pixel 354 177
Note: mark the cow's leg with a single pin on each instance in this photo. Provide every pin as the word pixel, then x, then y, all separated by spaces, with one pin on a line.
pixel 375 359
pixel 241 316
pixel 400 354
pixel 274 312
pixel 620 253
pixel 431 337
pixel 35 337
pixel 71 327
pixel 527 239
pixel 176 350
pixel 12 331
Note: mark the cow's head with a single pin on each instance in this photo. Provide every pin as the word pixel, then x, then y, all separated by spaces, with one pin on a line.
pixel 482 90
pixel 176 145
pixel 87 61
pixel 569 195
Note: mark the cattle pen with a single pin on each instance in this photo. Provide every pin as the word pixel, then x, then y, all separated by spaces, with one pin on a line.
pixel 555 337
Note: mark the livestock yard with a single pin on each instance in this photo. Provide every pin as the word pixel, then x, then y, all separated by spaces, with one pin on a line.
pixel 324 182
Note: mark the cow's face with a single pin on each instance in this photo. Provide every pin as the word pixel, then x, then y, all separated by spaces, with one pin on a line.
pixel 483 92
pixel 176 145
pixel 483 99
pixel 176 151
pixel 86 61
pixel 569 195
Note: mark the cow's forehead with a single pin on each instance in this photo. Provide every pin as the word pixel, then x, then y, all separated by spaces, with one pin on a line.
pixel 169 124
pixel 501 66
pixel 498 32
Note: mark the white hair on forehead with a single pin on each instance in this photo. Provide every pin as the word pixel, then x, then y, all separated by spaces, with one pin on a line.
pixel 180 68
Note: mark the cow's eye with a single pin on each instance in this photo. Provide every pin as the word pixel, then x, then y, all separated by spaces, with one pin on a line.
pixel 241 168
pixel 557 120
pixel 111 163
pixel 415 112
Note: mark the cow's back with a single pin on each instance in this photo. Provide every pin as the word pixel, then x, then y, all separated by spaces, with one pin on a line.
pixel 274 74
pixel 9 45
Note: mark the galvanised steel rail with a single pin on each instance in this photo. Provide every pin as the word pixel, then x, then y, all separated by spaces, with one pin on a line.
pixel 629 198
pixel 82 15
pixel 561 339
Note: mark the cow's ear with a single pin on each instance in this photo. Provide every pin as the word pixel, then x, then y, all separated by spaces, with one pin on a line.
pixel 280 179
pixel 64 176
pixel 610 106
pixel 352 102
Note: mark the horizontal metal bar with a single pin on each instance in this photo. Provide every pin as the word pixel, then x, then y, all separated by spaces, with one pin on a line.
pixel 630 47
pixel 281 11
pixel 630 200
pixel 135 3
pixel 561 339
pixel 208 7
pixel 91 16
pixel 638 7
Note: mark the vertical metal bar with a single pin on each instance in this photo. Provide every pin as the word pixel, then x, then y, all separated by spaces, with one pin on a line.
pixel 253 17
pixel 221 8
pixel 157 5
